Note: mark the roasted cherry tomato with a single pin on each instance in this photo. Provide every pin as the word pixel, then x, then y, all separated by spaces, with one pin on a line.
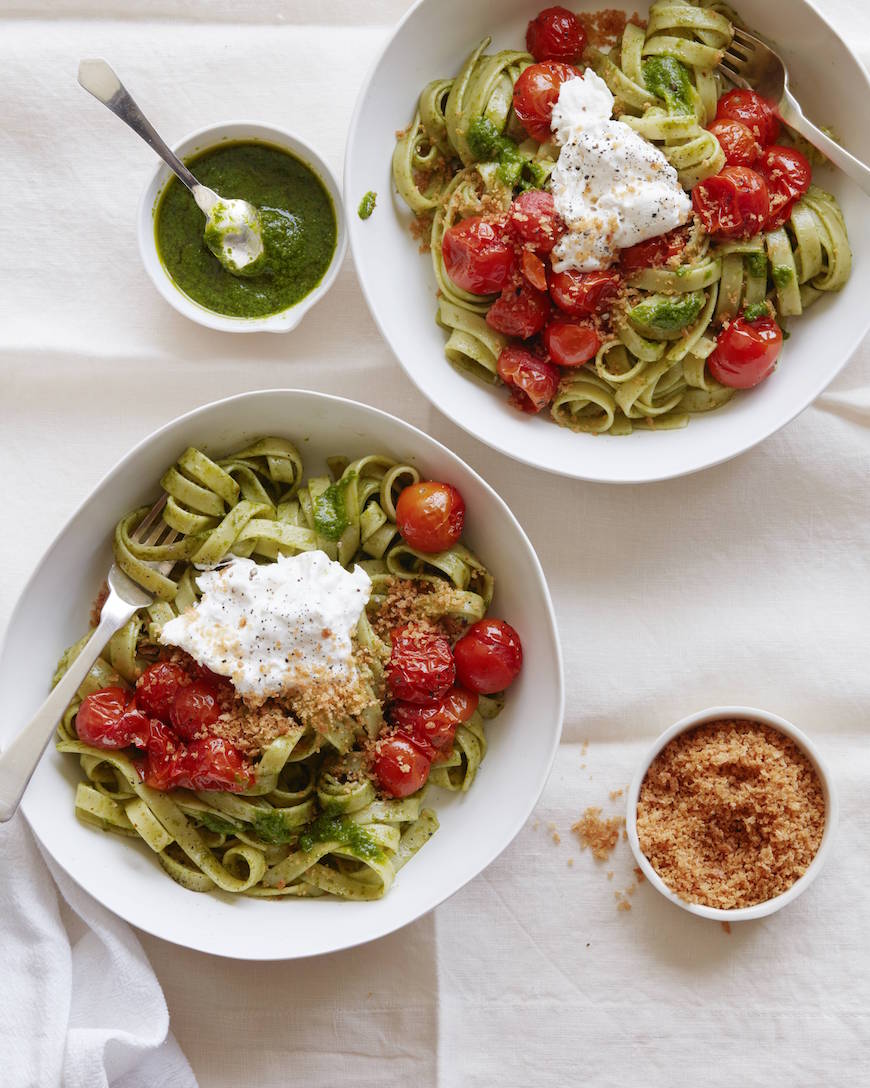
pixel 161 769
pixel 533 382
pixel 532 219
pixel 750 109
pixel 654 251
pixel 746 352
pixel 535 94
pixel 788 174
pixel 489 656
pixel 519 311
pixel 100 719
pixel 476 256
pixel 556 34
pixel 430 516
pixel 420 669
pixel 739 143
pixel 400 766
pixel 157 686
pixel 534 270
pixel 212 763
pixel 733 204
pixel 434 726
pixel 582 294
pixel 571 343
pixel 194 708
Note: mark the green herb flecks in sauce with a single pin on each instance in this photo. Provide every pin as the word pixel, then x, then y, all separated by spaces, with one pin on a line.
pixel 756 264
pixel 214 823
pixel 781 275
pixel 298 226
pixel 487 144
pixel 342 830
pixel 757 310
pixel 669 80
pixel 367 205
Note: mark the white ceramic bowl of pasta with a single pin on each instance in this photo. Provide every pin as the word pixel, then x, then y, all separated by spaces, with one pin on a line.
pixel 475 827
pixel 202 140
pixel 433 40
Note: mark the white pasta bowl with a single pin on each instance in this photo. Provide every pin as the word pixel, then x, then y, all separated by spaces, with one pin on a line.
pixel 433 40
pixel 202 140
pixel 743 713
pixel 122 873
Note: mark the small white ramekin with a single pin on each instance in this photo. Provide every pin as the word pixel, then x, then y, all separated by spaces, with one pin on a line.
pixel 202 140
pixel 753 714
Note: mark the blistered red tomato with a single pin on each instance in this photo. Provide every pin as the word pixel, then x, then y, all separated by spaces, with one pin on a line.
pixel 400 766
pixel 571 343
pixel 99 720
pixel 476 256
pixel 520 311
pixel 156 688
pixel 194 708
pixel 654 251
pixel 161 769
pixel 536 92
pixel 532 219
pixel 556 34
pixel 733 203
pixel 434 726
pixel 788 174
pixel 489 656
pixel 212 763
pixel 534 270
pixel 746 352
pixel 421 668
pixel 533 382
pixel 582 294
pixel 750 109
pixel 739 143
pixel 430 516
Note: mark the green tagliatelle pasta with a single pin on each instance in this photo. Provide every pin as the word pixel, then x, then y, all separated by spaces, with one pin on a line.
pixel 311 823
pixel 666 86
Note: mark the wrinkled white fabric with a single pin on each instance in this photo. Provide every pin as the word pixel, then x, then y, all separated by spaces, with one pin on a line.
pixel 747 582
pixel 79 1003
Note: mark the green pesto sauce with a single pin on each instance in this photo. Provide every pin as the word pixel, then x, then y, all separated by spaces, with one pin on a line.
pixel 214 823
pixel 342 830
pixel 756 264
pixel 270 827
pixel 367 205
pixel 758 309
pixel 781 275
pixel 669 80
pixel 487 144
pixel 298 224
pixel 668 314
pixel 330 511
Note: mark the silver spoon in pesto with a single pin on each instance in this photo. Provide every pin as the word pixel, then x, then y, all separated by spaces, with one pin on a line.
pixel 233 231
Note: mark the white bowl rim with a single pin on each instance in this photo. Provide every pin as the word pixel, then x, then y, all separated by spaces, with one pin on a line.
pixel 264 132
pixel 567 468
pixel 522 812
pixel 832 811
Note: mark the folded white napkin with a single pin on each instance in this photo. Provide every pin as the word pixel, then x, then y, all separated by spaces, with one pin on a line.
pixel 80 1006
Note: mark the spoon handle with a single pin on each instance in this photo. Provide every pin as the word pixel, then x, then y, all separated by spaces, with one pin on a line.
pixel 100 80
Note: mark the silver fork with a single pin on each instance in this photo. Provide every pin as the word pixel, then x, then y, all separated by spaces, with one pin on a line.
pixel 19 760
pixel 750 63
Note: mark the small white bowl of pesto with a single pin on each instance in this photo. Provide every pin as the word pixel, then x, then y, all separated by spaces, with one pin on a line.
pixel 301 217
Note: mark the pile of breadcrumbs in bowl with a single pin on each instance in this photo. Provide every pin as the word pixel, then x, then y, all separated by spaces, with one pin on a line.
pixel 730 814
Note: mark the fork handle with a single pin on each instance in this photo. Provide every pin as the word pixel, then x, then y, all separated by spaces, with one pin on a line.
pixel 790 112
pixel 19 760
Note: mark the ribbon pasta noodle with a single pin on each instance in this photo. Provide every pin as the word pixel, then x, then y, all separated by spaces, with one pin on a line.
pixel 640 377
pixel 311 823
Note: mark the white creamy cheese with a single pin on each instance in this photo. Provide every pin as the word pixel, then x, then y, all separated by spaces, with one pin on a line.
pixel 611 187
pixel 275 627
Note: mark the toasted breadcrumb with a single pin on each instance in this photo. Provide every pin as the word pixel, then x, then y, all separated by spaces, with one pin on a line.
pixel 730 814
pixel 413 600
pixel 599 834
pixel 727 927
pixel 99 601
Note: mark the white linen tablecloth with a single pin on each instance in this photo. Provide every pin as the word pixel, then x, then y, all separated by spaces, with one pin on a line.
pixel 746 583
